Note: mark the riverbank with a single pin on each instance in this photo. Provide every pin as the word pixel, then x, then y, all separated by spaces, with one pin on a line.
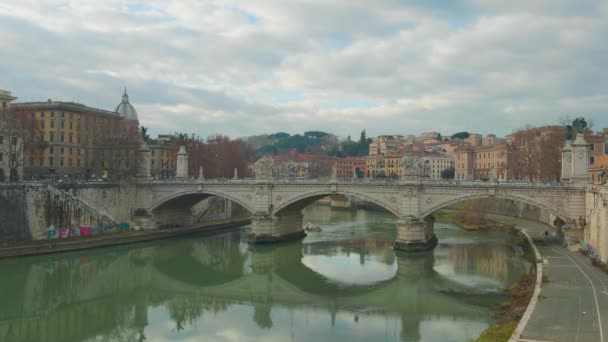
pixel 114 239
pixel 523 293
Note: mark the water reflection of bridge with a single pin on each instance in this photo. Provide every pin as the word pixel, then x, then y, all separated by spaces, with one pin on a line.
pixel 109 293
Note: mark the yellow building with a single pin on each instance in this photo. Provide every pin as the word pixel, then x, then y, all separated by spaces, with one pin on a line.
pixel 392 166
pixel 80 141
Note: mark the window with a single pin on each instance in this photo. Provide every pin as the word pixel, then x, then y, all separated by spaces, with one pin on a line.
pixel 41 161
pixel 52 114
pixel 71 124
pixel 62 124
pixel 592 159
pixel 1 157
pixel 14 141
pixel 71 139
pixel 592 147
pixel 61 150
pixel 1 140
pixel 71 115
pixel 42 115
pixel 61 162
pixel 52 123
pixel 50 161
pixel 52 137
pixel 14 157
pixel 62 115
pixel 51 150
pixel 70 151
pixel 62 137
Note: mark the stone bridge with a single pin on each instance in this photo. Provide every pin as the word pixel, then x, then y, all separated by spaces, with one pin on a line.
pixel 276 204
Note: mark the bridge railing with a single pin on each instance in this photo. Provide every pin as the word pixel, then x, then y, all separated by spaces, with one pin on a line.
pixel 327 181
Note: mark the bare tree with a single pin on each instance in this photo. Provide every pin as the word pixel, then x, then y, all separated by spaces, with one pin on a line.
pixel 24 133
pixel 535 153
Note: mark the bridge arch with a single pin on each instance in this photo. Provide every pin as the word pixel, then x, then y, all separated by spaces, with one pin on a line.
pixel 190 198
pixel 557 212
pixel 301 201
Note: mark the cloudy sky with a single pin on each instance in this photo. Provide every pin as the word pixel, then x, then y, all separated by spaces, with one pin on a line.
pixel 260 66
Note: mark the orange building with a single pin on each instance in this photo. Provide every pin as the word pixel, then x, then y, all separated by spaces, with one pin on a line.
pixel 598 171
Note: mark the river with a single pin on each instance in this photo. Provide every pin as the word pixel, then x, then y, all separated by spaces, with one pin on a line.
pixel 344 283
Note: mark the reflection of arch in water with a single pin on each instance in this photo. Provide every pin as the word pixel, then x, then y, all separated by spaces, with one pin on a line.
pixel 287 264
pixel 209 262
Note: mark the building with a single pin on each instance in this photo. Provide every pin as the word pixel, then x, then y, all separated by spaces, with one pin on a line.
pixel 464 162
pixel 435 165
pixel 598 156
pixel 344 167
pixel 80 141
pixel 359 166
pixel 372 165
pixel 160 160
pixel 474 139
pixel 385 144
pixel 488 158
pixel 598 171
pixel 5 99
pixel 9 140
pixel 391 165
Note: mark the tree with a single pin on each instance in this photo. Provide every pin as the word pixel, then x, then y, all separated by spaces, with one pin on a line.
pixel 535 153
pixel 144 134
pixel 315 134
pixel 24 133
pixel 460 135
pixel 115 150
pixel 363 138
pixel 448 173
pixel 279 136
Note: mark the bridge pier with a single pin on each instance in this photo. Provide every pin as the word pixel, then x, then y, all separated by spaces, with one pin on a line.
pixel 275 228
pixel 414 234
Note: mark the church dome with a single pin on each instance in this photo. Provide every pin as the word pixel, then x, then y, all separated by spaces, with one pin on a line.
pixel 125 109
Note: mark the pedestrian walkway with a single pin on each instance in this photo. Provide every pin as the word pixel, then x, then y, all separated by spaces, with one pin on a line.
pixel 573 303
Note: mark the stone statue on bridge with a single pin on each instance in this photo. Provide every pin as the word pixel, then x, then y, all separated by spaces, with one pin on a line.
pixel 412 167
pixel 263 168
pixel 578 125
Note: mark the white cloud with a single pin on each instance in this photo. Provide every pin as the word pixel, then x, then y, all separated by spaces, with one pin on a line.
pixel 250 67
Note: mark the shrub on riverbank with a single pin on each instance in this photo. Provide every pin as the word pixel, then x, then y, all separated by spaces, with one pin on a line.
pixel 594 261
pixel 472 215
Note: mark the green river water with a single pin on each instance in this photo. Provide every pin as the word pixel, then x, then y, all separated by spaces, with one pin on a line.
pixel 343 284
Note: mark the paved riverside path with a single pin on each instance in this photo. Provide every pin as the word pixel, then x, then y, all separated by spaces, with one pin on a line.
pixel 573 304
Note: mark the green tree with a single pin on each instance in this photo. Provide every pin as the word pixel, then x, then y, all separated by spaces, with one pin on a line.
pixel 448 173
pixel 279 136
pixel 460 135
pixel 363 139
pixel 315 134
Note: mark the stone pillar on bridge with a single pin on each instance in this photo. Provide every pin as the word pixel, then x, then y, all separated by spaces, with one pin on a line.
pixel 566 162
pixel 267 226
pixel 182 163
pixel 143 163
pixel 275 228
pixel 580 161
pixel 415 234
